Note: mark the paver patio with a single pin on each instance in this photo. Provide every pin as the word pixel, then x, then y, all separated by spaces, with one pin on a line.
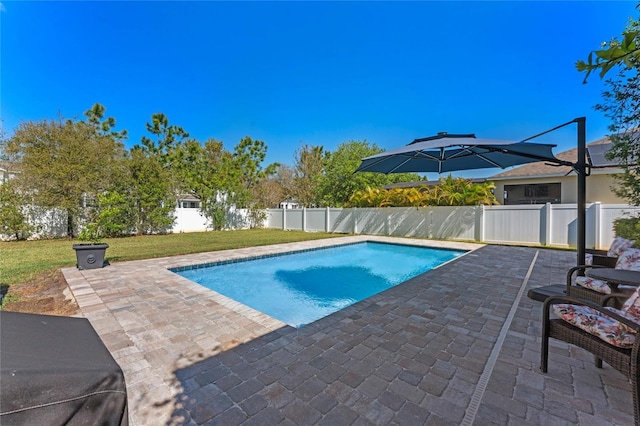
pixel 457 345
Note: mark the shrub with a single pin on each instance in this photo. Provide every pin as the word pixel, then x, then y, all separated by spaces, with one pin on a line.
pixel 627 227
pixel 14 221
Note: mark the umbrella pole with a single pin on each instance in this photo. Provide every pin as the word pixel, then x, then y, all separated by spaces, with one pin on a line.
pixel 581 168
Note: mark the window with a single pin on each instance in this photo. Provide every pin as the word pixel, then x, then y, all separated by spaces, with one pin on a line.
pixel 538 193
pixel 190 204
pixel 535 191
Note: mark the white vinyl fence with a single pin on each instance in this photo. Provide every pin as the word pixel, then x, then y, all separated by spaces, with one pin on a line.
pixel 193 220
pixel 543 224
pixel 52 223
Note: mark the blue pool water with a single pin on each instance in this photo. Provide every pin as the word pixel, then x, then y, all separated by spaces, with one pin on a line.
pixel 300 288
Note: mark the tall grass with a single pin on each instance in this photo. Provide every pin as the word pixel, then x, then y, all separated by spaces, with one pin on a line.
pixel 20 261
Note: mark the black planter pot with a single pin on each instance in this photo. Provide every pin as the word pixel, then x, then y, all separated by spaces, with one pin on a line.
pixel 90 256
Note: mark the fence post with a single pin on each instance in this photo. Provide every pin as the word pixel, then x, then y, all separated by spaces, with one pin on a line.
pixel 597 225
pixel 355 220
pixel 304 219
pixel 479 225
pixel 327 220
pixel 284 218
pixel 387 225
pixel 547 224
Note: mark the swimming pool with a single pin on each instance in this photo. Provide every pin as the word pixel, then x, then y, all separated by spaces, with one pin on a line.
pixel 302 287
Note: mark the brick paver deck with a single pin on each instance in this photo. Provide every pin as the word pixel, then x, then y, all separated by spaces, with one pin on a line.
pixel 458 345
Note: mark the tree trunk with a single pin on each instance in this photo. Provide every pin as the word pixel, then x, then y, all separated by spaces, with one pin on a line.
pixel 69 225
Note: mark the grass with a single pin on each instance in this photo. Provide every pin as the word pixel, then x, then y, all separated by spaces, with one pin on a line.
pixel 20 261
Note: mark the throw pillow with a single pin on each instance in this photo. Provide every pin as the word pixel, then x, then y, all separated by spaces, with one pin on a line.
pixel 619 245
pixel 629 259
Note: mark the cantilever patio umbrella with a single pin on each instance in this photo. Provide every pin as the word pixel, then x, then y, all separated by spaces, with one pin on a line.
pixel 448 152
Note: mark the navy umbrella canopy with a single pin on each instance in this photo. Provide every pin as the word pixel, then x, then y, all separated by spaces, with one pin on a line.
pixel 448 152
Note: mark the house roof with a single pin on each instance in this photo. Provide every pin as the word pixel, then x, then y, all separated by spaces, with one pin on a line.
pixel 542 168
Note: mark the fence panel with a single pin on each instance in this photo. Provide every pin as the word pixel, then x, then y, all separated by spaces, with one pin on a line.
pixel 610 212
pixel 370 221
pixel 456 223
pixel 408 222
pixel 47 222
pixel 315 219
pixel 274 218
pixel 341 221
pixel 294 219
pixel 514 224
pixel 189 220
pixel 564 225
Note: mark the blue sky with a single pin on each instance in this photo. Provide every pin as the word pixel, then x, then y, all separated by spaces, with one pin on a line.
pixel 317 73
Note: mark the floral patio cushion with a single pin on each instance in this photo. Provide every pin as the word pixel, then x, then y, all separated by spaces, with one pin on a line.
pixel 629 259
pixel 588 259
pixel 594 284
pixel 619 245
pixel 597 324
pixel 631 306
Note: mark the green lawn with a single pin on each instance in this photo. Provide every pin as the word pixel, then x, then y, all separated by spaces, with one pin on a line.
pixel 21 260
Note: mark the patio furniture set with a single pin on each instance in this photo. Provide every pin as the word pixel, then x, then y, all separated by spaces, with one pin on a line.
pixel 598 310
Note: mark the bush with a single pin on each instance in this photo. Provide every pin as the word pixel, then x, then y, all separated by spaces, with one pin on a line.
pixel 627 227
pixel 109 218
pixel 14 222
pixel 257 217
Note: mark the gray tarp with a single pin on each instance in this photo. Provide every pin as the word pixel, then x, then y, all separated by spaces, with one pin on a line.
pixel 55 371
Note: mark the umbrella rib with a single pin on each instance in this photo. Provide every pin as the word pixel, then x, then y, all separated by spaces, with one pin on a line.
pixel 532 156
pixel 419 155
pixel 422 154
pixel 398 166
pixel 489 161
pixel 467 152
pixel 464 151
pixel 375 163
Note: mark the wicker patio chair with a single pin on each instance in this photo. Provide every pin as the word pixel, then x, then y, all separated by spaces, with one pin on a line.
pixel 577 291
pixel 596 290
pixel 601 258
pixel 596 258
pixel 625 360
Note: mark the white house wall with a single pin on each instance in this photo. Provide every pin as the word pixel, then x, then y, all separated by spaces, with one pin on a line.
pixel 599 189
